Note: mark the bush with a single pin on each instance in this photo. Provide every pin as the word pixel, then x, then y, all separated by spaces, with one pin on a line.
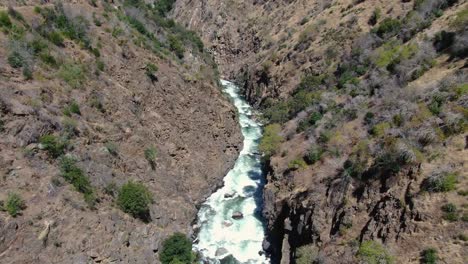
pixel 150 71
pixel 14 204
pixel 176 46
pixel 271 140
pixel 460 21
pixel 55 37
pixel 296 164
pixel 164 6
pixel 374 253
pixel 313 155
pixel 75 175
pixel 380 129
pixel 440 182
pixel 429 256
pixel 150 156
pixel 54 146
pixel 5 20
pixel 72 108
pixel 73 74
pixel 443 40
pixel 388 27
pixel 134 199
pixel 16 60
pixel 306 254
pixel 177 249
pixel 375 17
pixel 450 212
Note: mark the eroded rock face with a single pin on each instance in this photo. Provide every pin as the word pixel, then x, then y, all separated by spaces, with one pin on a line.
pixel 193 127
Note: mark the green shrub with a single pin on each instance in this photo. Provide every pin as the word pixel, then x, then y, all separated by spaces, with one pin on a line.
pixel 5 20
pixel 314 154
pixel 374 253
pixel 429 256
pixel 54 146
pixel 140 27
pixel 443 182
pixel 134 199
pixel 176 46
pixel 16 60
pixel 324 137
pixel 177 249
pixel 388 27
pixel 450 212
pixel 15 14
pixel 460 21
pixel 150 156
pixel 271 140
pixel 72 108
pixel 69 127
pixel 75 175
pixel 296 164
pixel 27 72
pixel 150 71
pixel 14 204
pixel 307 254
pixel 100 65
pixel 375 16
pixel 55 37
pixel 112 148
pixel 276 112
pixel 311 120
pixel 380 129
pixel 72 74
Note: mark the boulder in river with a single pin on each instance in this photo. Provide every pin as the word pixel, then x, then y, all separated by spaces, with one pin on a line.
pixel 229 195
pixel 237 215
pixel 227 223
pixel 221 251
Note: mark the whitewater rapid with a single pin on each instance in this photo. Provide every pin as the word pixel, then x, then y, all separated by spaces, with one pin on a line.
pixel 222 239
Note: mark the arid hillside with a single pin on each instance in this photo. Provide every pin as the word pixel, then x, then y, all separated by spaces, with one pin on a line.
pixel 366 103
pixel 93 95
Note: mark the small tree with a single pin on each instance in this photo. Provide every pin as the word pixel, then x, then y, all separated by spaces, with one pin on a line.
pixel 134 199
pixel 14 204
pixel 177 249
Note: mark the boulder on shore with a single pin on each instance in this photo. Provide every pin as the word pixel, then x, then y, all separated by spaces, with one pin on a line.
pixel 237 215
pixel 221 251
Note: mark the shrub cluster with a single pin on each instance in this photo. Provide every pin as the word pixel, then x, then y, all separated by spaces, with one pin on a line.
pixel 271 140
pixel 73 174
pixel 177 249
pixel 14 204
pixel 134 199
pixel 374 253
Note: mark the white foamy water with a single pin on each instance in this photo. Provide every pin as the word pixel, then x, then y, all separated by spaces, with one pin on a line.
pixel 223 239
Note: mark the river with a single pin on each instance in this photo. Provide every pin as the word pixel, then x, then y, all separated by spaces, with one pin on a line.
pixel 221 238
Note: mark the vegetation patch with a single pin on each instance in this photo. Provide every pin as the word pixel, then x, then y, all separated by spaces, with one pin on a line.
pixel 14 204
pixel 440 182
pixel 134 199
pixel 429 256
pixel 73 74
pixel 73 174
pixel 55 146
pixel 177 249
pixel 374 253
pixel 271 140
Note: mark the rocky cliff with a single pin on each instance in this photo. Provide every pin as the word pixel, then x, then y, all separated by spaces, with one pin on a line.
pixel 130 96
pixel 370 101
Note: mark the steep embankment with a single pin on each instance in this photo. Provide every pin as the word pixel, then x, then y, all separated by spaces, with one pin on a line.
pixel 368 106
pixel 131 97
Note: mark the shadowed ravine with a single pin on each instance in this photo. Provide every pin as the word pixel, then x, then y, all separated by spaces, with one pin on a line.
pixel 221 238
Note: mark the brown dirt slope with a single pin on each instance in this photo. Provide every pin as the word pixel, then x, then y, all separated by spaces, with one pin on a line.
pixel 125 108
